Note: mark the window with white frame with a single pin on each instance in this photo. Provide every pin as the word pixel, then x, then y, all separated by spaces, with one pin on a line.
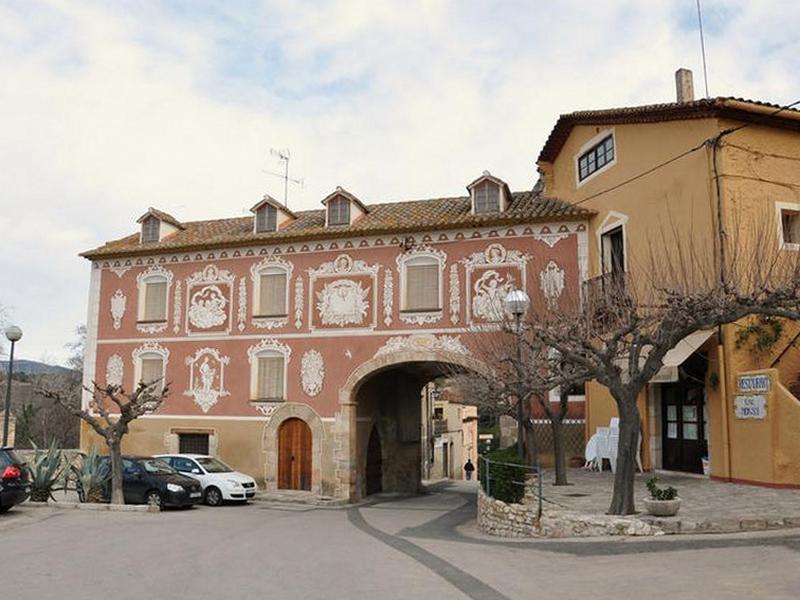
pixel 422 280
pixel 487 198
pixel 271 292
pixel 596 157
pixel 266 219
pixel 613 250
pixel 151 370
pixel 153 299
pixel 790 225
pixel 270 368
pixel 151 229
pixel 338 211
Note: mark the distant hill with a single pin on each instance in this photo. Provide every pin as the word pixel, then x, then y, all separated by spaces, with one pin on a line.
pixel 32 367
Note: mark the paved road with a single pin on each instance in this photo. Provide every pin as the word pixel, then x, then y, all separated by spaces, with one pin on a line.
pixel 423 547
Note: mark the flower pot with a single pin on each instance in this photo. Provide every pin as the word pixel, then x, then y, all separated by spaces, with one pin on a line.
pixel 662 508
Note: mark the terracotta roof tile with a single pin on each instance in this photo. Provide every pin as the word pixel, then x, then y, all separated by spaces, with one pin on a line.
pixel 734 108
pixel 385 218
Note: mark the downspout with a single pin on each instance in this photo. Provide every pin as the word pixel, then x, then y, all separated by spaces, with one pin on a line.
pixel 723 390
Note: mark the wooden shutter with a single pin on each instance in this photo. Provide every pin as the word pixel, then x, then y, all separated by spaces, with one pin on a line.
pixel 272 295
pixel 151 229
pixel 338 211
pixel 266 218
pixel 270 377
pixel 155 301
pixel 152 369
pixel 422 287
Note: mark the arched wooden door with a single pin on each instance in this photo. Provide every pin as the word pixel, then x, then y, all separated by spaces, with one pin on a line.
pixel 294 455
pixel 374 474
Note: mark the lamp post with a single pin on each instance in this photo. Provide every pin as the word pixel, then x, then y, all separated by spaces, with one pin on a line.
pixel 517 303
pixel 13 334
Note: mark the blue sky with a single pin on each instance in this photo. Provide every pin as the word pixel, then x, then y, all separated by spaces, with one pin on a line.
pixel 108 108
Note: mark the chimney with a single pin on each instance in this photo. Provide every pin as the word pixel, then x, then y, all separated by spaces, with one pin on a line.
pixel 684 87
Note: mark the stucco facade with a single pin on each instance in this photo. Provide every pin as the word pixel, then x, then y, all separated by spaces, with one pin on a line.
pixel 661 189
pixel 355 359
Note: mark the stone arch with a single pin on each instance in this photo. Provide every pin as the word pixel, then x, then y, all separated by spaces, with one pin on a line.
pixel 293 410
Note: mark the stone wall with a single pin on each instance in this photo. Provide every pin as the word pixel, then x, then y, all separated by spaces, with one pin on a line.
pixel 495 517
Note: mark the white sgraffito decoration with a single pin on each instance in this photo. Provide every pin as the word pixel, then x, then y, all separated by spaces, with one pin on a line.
pixel 551 282
pixel 206 377
pixel 489 288
pixel 388 296
pixel 343 302
pixel 425 342
pixel 177 307
pixel 209 306
pixel 298 303
pixel 312 372
pixel 118 302
pixel 455 295
pixel 241 315
pixel 115 370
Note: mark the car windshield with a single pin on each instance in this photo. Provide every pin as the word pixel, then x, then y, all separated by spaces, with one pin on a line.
pixel 157 466
pixel 212 465
pixel 7 457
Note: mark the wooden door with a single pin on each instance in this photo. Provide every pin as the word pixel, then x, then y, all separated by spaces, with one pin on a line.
pixel 683 432
pixel 294 455
pixel 374 473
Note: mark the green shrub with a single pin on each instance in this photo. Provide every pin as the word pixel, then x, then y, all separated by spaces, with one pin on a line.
pixel 657 493
pixel 506 482
pixel 90 476
pixel 47 469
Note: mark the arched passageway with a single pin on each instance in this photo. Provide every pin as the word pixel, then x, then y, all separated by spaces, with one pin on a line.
pixel 374 469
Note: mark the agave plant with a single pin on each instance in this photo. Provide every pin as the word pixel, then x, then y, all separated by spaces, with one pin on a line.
pixel 90 476
pixel 47 470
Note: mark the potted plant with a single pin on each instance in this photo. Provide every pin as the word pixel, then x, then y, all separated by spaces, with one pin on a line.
pixel 663 502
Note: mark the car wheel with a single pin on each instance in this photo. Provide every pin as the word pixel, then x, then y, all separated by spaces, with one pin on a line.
pixel 5 509
pixel 153 497
pixel 213 496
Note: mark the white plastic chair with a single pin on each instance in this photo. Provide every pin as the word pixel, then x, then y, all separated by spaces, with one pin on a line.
pixel 602 445
pixel 613 447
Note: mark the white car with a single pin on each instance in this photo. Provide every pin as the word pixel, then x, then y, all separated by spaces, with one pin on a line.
pixel 219 481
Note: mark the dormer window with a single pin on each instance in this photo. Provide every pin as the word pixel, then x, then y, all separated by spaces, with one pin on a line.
pixel 487 198
pixel 151 229
pixel 488 195
pixel 266 219
pixel 270 215
pixel 342 208
pixel 339 211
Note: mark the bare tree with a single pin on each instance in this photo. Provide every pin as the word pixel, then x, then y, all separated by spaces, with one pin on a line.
pixel 621 329
pixel 112 426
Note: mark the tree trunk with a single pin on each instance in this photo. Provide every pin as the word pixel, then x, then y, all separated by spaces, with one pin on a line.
pixel 622 502
pixel 115 451
pixel 559 452
pixel 529 442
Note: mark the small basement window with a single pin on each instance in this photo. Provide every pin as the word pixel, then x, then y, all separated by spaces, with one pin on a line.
pixel 790 226
pixel 193 443
pixel 596 157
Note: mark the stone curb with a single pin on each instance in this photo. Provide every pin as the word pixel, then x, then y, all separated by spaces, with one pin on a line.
pixel 681 526
pixel 137 508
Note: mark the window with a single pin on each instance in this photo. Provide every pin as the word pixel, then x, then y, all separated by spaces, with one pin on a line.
pixel 790 226
pixel 266 219
pixel 422 284
pixel 190 443
pixel 338 211
pixel 155 300
pixel 269 379
pixel 151 229
pixel 487 198
pixel 151 369
pixel 613 249
pixel 272 293
pixel 597 157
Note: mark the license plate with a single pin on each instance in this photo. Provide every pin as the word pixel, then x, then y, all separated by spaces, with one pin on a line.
pixel 195 495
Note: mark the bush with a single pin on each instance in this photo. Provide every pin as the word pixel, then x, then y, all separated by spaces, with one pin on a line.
pixel 507 480
pixel 46 472
pixel 90 476
pixel 657 493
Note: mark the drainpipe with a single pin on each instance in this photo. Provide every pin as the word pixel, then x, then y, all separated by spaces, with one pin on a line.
pixel 723 385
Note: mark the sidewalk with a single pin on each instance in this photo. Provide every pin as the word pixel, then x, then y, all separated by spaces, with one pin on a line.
pixel 707 506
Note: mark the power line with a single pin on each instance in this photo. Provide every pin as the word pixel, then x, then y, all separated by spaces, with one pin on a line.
pixel 701 145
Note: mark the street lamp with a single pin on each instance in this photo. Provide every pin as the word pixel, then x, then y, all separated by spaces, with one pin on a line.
pixel 517 303
pixel 13 334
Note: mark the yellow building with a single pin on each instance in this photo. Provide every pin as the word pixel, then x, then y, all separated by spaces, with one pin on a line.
pixel 652 171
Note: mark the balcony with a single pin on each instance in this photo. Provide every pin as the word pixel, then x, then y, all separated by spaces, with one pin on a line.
pixel 607 295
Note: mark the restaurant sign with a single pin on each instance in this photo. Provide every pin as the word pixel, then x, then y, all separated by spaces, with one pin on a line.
pixel 753 384
pixel 750 407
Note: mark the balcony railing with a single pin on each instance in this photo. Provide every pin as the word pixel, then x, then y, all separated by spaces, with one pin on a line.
pixel 607 295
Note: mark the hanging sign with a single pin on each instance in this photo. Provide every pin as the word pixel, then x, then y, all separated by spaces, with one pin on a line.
pixel 750 407
pixel 752 384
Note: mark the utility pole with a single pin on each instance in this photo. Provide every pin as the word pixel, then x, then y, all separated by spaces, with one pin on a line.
pixel 283 156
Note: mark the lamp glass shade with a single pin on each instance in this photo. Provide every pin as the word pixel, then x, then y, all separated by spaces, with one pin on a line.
pixel 13 333
pixel 517 302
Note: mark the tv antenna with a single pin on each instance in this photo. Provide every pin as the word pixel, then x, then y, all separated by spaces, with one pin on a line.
pixel 283 156
pixel 702 45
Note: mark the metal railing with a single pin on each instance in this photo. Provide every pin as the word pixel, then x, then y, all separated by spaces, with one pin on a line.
pixel 528 470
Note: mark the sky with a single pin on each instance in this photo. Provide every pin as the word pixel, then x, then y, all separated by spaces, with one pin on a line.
pixel 107 108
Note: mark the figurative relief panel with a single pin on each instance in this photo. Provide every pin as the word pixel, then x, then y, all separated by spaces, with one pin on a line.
pixel 551 282
pixel 209 296
pixel 206 377
pixel 491 275
pixel 118 302
pixel 344 293
pixel 312 372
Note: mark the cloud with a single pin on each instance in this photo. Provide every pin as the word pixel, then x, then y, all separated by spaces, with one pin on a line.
pixel 108 108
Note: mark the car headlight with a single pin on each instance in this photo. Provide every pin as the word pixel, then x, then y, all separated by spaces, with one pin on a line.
pixel 234 484
pixel 174 487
